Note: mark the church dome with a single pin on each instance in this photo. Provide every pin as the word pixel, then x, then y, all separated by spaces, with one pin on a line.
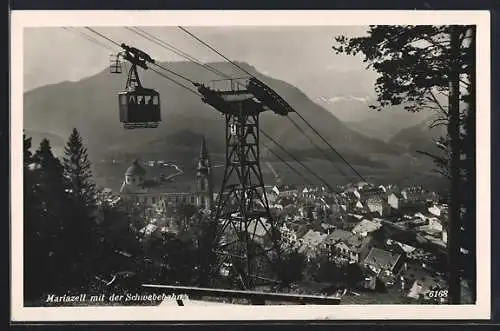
pixel 135 169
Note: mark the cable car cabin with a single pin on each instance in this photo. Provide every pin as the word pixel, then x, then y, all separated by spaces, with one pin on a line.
pixel 139 108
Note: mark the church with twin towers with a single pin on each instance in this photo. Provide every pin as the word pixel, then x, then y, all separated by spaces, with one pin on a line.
pixel 139 188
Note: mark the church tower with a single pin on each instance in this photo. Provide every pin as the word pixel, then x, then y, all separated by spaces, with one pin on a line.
pixel 204 188
pixel 134 177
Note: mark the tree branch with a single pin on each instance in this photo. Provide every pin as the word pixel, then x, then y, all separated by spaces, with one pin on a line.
pixel 440 162
pixel 467 84
pixel 443 94
pixel 436 101
pixel 437 122
pixel 434 43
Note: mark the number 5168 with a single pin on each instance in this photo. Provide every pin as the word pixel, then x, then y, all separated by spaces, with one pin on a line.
pixel 437 294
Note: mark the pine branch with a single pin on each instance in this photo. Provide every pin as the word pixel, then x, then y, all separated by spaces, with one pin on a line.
pixel 436 101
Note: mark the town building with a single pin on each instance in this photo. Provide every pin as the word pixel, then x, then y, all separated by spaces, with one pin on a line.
pixel 375 200
pixel 365 227
pixel 282 191
pixel 347 245
pixel 414 197
pixel 310 243
pixel 379 260
pixel 395 200
pixel 137 188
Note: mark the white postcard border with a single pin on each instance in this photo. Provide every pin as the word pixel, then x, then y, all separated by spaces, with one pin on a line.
pixel 22 19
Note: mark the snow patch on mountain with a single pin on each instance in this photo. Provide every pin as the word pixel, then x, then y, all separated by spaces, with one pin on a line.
pixel 331 100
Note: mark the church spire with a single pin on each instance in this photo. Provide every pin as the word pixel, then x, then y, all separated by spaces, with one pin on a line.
pixel 203 150
pixel 204 179
pixel 203 161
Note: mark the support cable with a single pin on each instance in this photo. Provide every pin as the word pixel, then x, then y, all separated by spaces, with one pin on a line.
pixel 195 92
pixel 302 117
pixel 296 160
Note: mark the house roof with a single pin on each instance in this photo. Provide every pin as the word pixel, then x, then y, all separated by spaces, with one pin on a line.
pixel 148 229
pixel 354 242
pixel 312 239
pixel 429 230
pixel 352 195
pixel 366 226
pixel 338 235
pixel 435 210
pixel 396 194
pixel 382 259
pixel 406 248
pixel 326 226
pixel 282 187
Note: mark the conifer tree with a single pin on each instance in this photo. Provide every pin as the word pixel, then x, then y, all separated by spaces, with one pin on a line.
pixel 28 175
pixel 82 232
pixel 51 183
pixel 78 173
pixel 32 234
pixel 52 214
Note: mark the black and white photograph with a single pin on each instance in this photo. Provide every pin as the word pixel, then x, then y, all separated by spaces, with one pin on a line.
pixel 246 165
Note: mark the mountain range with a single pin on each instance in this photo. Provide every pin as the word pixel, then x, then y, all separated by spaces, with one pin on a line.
pixel 348 94
pixel 91 105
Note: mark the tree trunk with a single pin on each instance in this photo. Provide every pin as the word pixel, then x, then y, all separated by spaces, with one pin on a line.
pixel 470 150
pixel 454 197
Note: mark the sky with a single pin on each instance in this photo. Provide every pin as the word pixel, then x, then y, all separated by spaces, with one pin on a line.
pixel 55 54
pixel 301 55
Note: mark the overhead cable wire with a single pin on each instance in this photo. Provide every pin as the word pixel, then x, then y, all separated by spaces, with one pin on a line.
pixel 332 148
pixel 162 43
pixel 302 117
pixel 296 159
pixel 288 165
pixel 88 37
pixel 176 82
pixel 174 73
pixel 152 69
pixel 103 36
pixel 216 51
pixel 170 47
pixel 322 151
pixel 198 94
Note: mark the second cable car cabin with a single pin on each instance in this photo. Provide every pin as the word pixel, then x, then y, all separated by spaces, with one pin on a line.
pixel 139 108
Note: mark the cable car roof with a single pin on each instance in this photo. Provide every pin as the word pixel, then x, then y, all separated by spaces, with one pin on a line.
pixel 139 91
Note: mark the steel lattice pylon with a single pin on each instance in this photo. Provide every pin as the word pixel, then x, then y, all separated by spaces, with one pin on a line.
pixel 245 224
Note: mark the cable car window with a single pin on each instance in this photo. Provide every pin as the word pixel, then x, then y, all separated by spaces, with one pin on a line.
pixel 132 100
pixel 142 100
pixel 155 99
